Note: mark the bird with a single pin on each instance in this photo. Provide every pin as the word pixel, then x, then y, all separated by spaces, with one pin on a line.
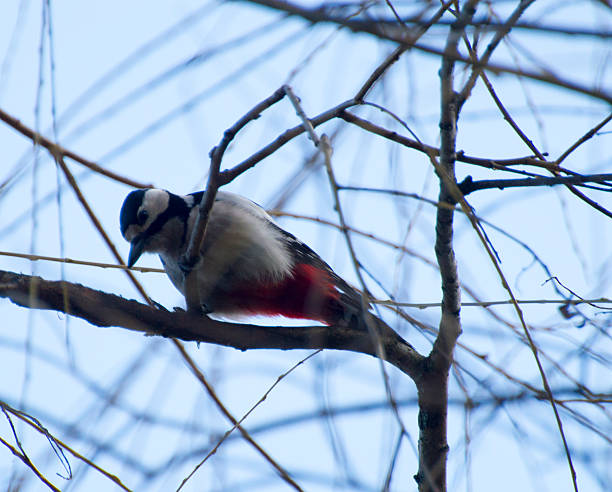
pixel 248 264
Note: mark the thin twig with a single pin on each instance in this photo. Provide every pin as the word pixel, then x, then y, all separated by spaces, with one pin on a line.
pixel 316 15
pixel 484 59
pixel 230 174
pixel 72 261
pixel 394 56
pixel 198 374
pixel 35 424
pixel 259 402
pixel 29 464
pixel 554 168
pixel 394 456
pixel 468 186
pixel 58 150
pixel 587 136
pixel 564 302
pixel 97 225
pixel 373 328
pixel 500 164
pixel 300 112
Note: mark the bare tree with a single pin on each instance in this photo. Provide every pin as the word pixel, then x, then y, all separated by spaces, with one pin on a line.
pixel 471 154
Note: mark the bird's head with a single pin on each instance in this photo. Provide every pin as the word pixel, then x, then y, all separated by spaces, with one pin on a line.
pixel 144 216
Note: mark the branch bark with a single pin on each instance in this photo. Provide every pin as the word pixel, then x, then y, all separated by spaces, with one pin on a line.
pixel 468 185
pixel 104 310
pixel 392 33
pixel 433 386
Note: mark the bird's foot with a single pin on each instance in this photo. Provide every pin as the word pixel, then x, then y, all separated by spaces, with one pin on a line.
pixel 159 306
pixel 199 310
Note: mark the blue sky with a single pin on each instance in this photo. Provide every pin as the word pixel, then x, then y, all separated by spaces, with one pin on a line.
pixel 156 120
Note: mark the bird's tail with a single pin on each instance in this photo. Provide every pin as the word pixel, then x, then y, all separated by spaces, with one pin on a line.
pixel 350 312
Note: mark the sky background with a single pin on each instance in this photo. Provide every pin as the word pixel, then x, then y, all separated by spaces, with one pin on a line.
pixel 146 90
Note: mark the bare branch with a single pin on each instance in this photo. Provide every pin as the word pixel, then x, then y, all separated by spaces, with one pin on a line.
pixel 72 261
pixel 26 461
pixel 555 168
pixel 392 34
pixel 103 309
pixel 587 136
pixel 484 59
pixel 433 388
pixel 467 186
pixel 98 226
pixel 212 393
pixel 196 238
pixel 397 52
pixel 230 174
pixel 236 424
pixel 460 156
pixel 58 150
pixel 35 424
pixel 373 22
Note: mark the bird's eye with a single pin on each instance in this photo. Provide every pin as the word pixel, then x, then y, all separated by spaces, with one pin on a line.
pixel 142 217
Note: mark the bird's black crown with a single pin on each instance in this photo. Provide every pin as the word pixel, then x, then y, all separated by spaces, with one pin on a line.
pixel 129 209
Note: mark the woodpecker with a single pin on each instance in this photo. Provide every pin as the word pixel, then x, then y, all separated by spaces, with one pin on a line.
pixel 248 264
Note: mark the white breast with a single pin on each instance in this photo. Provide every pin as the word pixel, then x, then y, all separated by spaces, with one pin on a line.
pixel 241 246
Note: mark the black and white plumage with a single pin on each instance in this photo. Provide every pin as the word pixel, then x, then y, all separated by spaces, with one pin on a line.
pixel 248 265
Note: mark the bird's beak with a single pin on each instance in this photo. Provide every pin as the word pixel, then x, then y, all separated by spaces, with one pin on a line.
pixel 136 249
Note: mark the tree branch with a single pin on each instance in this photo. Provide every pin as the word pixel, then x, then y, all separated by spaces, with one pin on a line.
pixel 229 175
pixel 434 151
pixel 57 150
pixel 433 388
pixel 484 59
pixel 196 238
pixel 468 185
pixel 485 24
pixel 104 309
pixel 392 33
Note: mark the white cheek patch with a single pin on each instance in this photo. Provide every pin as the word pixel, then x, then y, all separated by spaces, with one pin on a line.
pixel 154 202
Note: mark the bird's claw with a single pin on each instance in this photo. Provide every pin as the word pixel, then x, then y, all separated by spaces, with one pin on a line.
pixel 200 310
pixel 159 306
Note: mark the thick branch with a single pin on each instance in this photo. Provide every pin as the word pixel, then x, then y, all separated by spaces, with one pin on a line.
pixel 103 309
pixel 433 388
